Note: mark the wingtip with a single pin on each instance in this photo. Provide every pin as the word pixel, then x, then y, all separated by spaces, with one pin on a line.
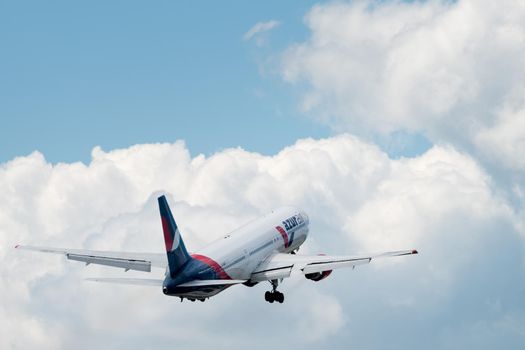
pixel 17 246
pixel 415 251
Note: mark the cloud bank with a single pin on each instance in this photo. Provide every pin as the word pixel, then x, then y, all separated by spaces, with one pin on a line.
pixel 463 289
pixel 452 70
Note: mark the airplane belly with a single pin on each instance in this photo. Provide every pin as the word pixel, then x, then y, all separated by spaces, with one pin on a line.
pixel 198 292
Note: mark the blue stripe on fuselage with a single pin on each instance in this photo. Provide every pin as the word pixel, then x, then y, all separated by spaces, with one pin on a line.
pixel 290 241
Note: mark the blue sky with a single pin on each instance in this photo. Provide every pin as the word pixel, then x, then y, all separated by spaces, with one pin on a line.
pixel 120 73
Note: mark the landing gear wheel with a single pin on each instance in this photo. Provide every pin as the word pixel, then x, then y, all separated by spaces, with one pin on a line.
pixel 270 297
pixel 274 295
pixel 279 297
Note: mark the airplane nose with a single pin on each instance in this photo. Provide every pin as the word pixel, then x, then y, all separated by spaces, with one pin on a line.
pixel 305 217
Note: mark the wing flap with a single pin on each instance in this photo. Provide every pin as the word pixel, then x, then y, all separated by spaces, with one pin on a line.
pixel 331 265
pixel 325 263
pixel 127 264
pixel 125 260
pixel 272 273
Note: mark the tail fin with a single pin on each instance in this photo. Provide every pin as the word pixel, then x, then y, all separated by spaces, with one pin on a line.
pixel 175 249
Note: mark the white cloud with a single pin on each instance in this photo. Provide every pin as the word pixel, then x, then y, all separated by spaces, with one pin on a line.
pixel 452 70
pixel 324 318
pixel 358 199
pixel 258 29
pixel 504 140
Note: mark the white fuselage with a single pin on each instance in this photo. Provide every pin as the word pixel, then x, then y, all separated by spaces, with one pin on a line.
pixel 242 250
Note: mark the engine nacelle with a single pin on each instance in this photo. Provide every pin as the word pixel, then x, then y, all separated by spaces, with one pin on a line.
pixel 317 276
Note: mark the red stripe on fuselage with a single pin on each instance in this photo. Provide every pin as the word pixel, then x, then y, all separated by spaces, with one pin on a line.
pixel 213 264
pixel 168 239
pixel 284 235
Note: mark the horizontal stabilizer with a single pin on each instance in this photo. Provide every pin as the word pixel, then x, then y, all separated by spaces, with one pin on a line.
pixel 134 281
pixel 204 283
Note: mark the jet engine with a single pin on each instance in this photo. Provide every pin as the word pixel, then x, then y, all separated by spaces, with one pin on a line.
pixel 317 276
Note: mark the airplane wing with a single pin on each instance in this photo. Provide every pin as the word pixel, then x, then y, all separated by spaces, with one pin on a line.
pixel 280 265
pixel 125 260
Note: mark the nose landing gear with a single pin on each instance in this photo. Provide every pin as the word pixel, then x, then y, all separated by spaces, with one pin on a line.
pixel 274 295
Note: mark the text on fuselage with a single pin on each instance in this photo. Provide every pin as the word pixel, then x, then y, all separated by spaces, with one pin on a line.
pixel 292 222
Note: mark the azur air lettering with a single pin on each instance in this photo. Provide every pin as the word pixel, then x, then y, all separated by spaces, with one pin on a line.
pixel 292 222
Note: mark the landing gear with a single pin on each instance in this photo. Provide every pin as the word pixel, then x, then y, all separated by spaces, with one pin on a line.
pixel 274 295
pixel 192 299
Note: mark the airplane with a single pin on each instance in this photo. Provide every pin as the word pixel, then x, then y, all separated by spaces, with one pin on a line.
pixel 261 250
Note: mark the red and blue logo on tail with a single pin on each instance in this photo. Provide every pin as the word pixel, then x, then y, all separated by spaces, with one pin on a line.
pixel 175 249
